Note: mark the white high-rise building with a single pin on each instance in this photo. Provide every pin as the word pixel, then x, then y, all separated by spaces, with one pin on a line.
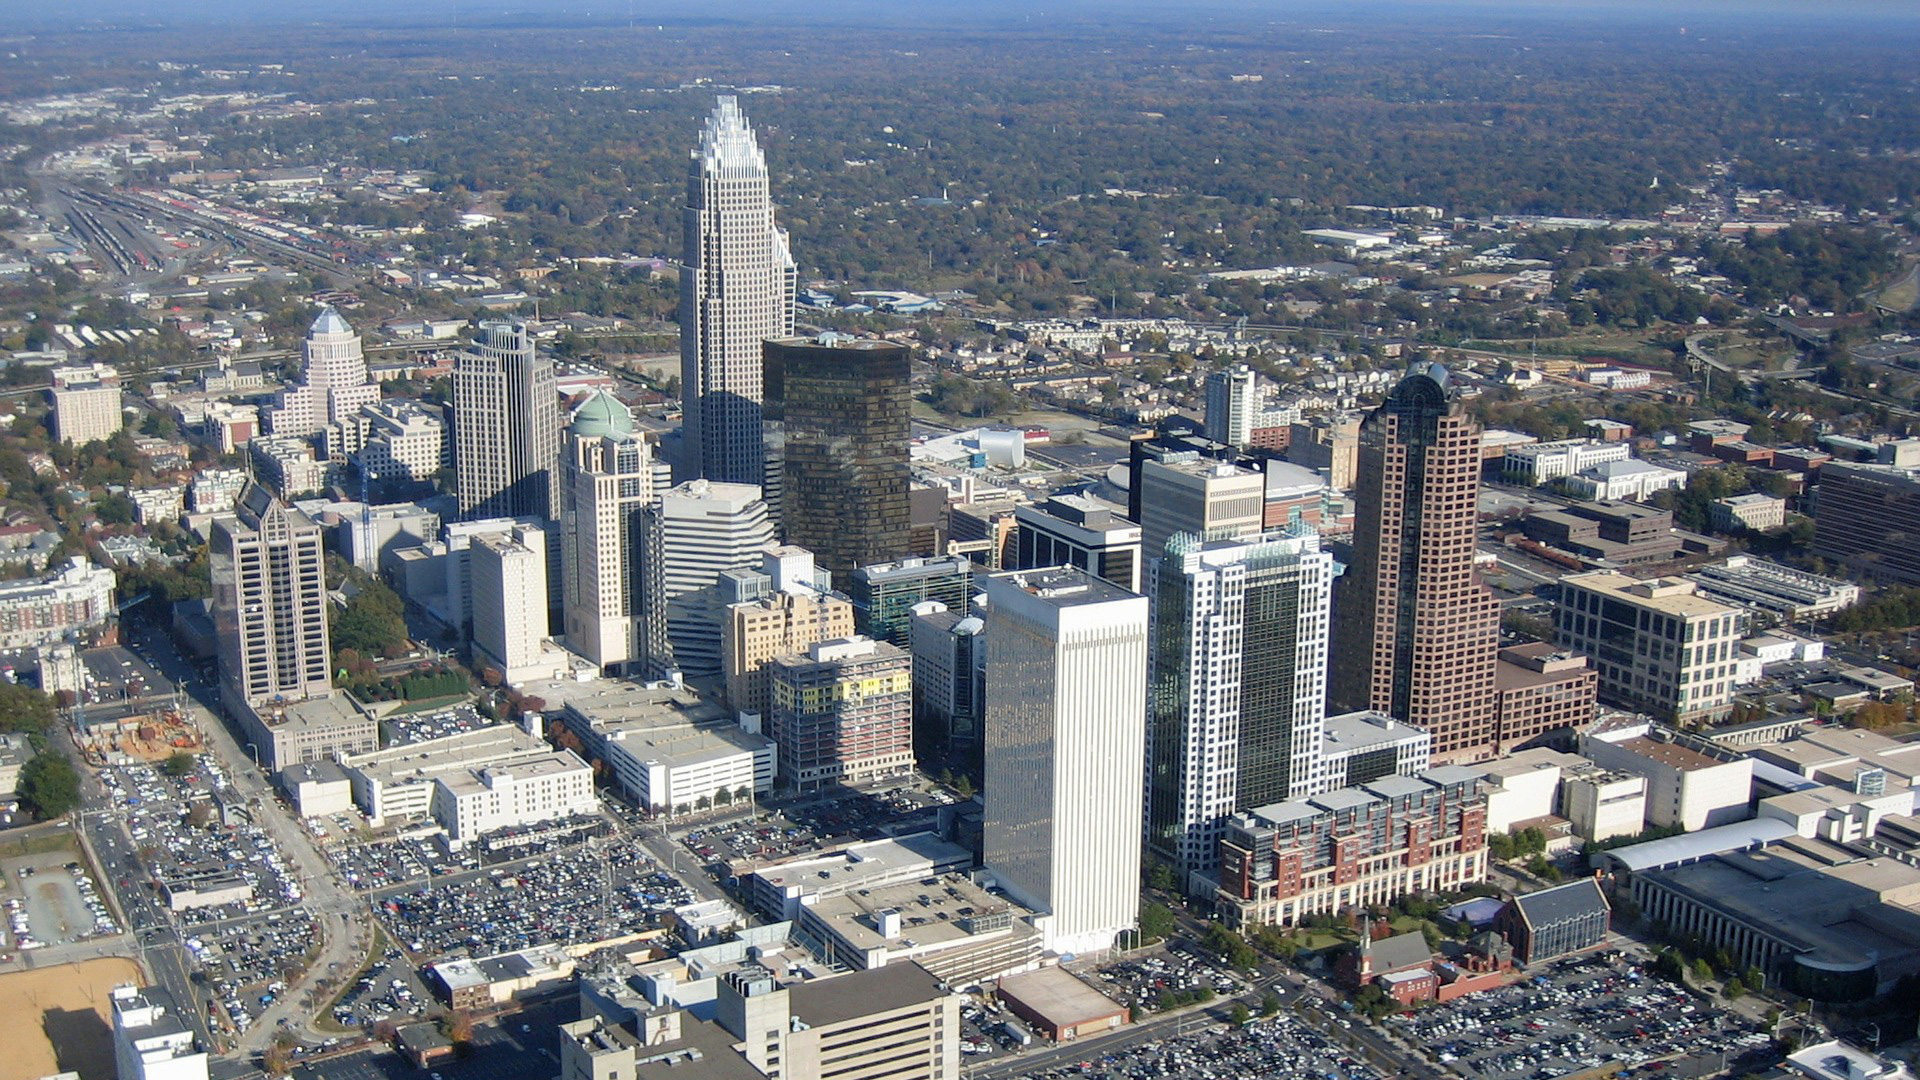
pixel 736 290
pixel 506 422
pixel 697 531
pixel 269 603
pixel 86 403
pixel 1236 706
pixel 152 1039
pixel 333 381
pixel 1233 403
pixel 1065 743
pixel 510 600
pixel 611 476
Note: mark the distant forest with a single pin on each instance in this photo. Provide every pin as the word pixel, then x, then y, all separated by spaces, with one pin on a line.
pixel 943 157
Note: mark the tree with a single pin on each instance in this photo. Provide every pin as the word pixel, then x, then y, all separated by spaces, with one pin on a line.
pixel 24 709
pixel 963 787
pixel 1269 1003
pixel 49 785
pixel 1156 921
pixel 178 764
pixel 1239 1015
pixel 1160 876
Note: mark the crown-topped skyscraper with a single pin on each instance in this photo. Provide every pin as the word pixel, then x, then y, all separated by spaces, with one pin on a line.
pixel 736 290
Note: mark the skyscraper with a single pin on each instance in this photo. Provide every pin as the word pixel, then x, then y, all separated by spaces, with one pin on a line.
pixel 695 532
pixel 506 417
pixel 333 380
pixel 1065 742
pixel 845 405
pixel 269 603
pixel 737 284
pixel 509 572
pixel 842 712
pixel 611 475
pixel 1200 496
pixel 1233 401
pixel 1236 701
pixel 1418 633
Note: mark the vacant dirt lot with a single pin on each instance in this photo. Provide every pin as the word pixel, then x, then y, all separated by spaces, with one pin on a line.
pixel 59 1019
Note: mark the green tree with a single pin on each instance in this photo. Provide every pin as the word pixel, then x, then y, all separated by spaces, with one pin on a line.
pixel 963 787
pixel 1156 922
pixel 372 623
pixel 24 709
pixel 178 764
pixel 1269 1003
pixel 1239 1015
pixel 49 785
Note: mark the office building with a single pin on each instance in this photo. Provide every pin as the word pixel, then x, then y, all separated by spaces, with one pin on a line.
pixel 842 713
pixel 397 783
pixel 506 408
pixel 1177 439
pixel 1077 530
pixel 949 680
pixel 1201 496
pixel 1627 479
pixel 736 291
pixel 86 404
pixel 1541 688
pixel 1353 847
pixel 1620 532
pixel 1233 402
pixel 889 1023
pixel 844 403
pixel 269 604
pixel 1865 518
pixel 333 381
pixel 1539 463
pixel 611 476
pixel 1237 689
pixel 884 594
pixel 1417 631
pixel 1660 647
pixel 1747 513
pixel 697 531
pixel 782 609
pixel 961 933
pixel 152 1038
pixel 509 574
pixel 1329 445
pixel 1065 744
pixel 393 443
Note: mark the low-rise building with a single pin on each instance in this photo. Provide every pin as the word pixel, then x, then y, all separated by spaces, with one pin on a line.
pixel 1628 479
pixel 73 600
pixel 1353 847
pixel 154 505
pixel 670 750
pixel 1622 533
pixel 1554 922
pixel 152 1038
pixel 780 890
pixel 314 729
pixel 1603 803
pixel 1780 592
pixel 894 1020
pixel 1060 1006
pixel 524 790
pixel 1692 785
pixel 1524 786
pixel 398 783
pixel 1747 513
pixel 1540 462
pixel 958 931
pixel 317 788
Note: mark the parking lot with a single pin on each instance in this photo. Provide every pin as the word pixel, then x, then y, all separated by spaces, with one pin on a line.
pixel 1279 1046
pixel 189 829
pixel 387 990
pixel 1153 982
pixel 1583 1013
pixel 808 826
pixel 512 1048
pixel 420 727
pixel 570 896
pixel 51 900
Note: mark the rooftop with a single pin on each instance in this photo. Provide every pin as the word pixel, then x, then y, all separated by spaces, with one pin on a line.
pixel 876 859
pixel 1669 596
pixel 1669 754
pixel 1057 995
pixel 449 754
pixel 823 1002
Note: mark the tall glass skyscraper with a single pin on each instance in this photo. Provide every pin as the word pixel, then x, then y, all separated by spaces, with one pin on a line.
pixel 845 403
pixel 1237 695
pixel 1417 630
pixel 736 290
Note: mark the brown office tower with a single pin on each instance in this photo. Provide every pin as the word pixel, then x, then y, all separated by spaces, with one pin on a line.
pixel 1417 635
pixel 845 404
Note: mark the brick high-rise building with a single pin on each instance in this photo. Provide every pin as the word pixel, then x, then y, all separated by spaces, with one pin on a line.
pixel 1417 630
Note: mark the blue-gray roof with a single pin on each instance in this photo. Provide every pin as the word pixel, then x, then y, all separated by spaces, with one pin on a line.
pixel 1562 902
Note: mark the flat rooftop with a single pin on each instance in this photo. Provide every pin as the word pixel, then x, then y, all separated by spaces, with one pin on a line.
pixel 1357 732
pixel 449 754
pixel 322 713
pixel 472 781
pixel 930 915
pixel 1669 596
pixel 1057 995
pixel 875 860
pixel 1668 754
pixel 863 993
